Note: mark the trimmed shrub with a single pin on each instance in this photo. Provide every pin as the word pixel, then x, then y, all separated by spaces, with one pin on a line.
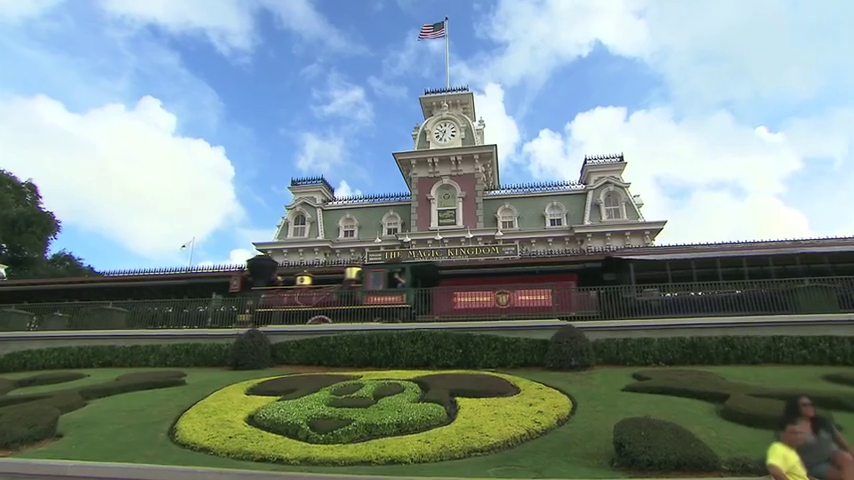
pixel 749 405
pixel 251 351
pixel 23 425
pixel 413 349
pixel 569 349
pixel 25 419
pixel 651 445
pixel 440 349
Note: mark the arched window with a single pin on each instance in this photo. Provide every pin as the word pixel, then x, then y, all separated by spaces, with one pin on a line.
pixel 299 226
pixel 613 208
pixel 507 217
pixel 348 227
pixel 446 199
pixel 391 224
pixel 446 205
pixel 555 215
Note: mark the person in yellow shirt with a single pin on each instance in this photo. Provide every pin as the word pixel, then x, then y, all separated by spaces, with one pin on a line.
pixel 783 461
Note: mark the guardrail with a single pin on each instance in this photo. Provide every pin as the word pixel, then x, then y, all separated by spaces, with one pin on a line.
pixel 300 305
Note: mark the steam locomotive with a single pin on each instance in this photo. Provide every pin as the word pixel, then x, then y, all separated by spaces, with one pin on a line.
pixel 407 292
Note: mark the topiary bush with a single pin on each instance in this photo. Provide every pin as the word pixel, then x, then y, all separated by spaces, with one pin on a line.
pixel 569 349
pixel 251 351
pixel 652 445
pixel 29 418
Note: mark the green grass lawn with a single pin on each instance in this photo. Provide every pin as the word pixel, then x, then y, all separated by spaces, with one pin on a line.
pixel 133 427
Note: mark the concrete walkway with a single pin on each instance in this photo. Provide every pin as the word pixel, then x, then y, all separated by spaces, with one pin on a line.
pixel 19 469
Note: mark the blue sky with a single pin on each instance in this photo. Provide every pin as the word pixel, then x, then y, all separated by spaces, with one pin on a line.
pixel 149 123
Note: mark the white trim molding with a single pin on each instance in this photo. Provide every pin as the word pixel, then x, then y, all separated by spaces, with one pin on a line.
pixel 348 223
pixel 434 211
pixel 507 213
pixel 392 220
pixel 555 211
pixel 292 219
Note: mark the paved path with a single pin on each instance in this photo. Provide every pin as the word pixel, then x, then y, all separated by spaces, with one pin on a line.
pixel 18 469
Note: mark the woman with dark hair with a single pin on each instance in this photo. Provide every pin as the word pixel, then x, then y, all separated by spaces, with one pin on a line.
pixel 824 452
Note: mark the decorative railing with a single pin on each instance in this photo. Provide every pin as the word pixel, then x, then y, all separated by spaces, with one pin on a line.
pixel 536 187
pixel 440 91
pixel 372 198
pixel 460 303
pixel 603 159
pixel 311 181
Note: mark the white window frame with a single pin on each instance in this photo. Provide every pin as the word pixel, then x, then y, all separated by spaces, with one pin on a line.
pixel 604 209
pixel 392 220
pixel 434 211
pixel 504 213
pixel 348 223
pixel 556 211
pixel 291 219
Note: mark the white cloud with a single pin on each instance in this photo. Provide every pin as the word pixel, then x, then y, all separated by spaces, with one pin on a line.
pixel 343 99
pixel 345 190
pixel 711 177
pixel 708 52
pixel 13 11
pixel 385 89
pixel 121 172
pixel 228 24
pixel 501 128
pixel 320 153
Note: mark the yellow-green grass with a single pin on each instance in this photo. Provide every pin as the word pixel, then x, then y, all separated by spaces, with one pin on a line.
pixel 134 427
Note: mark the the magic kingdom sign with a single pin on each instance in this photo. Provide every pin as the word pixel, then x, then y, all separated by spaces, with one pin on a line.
pixel 444 253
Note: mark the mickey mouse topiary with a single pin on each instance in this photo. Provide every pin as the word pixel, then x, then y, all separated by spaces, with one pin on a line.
pixel 251 351
pixel 569 349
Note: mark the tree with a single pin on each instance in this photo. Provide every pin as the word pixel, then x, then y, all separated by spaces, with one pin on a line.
pixel 27 230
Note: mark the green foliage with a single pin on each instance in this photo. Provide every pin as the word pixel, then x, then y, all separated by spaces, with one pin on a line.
pixel 569 349
pixel 729 350
pixel 652 445
pixel 27 231
pixel 439 349
pixel 251 351
pixel 326 418
pixel 412 349
pixel 29 418
pixel 117 356
pixel 749 405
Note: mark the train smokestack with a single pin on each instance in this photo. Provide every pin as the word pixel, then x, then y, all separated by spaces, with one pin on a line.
pixel 262 270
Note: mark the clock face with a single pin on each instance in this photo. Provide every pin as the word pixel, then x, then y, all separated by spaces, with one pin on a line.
pixel 445 131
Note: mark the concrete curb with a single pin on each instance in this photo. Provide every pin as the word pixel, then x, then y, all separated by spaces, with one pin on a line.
pixel 20 469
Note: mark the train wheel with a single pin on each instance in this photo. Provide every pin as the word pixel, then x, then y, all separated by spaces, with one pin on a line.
pixel 319 320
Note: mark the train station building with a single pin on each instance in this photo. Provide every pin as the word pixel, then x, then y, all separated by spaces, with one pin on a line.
pixel 456 207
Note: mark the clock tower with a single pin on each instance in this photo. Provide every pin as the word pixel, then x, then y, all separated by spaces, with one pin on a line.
pixel 450 166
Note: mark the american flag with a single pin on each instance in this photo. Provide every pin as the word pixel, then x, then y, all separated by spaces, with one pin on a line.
pixel 431 31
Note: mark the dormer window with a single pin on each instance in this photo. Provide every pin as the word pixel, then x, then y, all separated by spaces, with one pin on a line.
pixel 612 204
pixel 555 215
pixel 299 226
pixel 613 209
pixel 507 217
pixel 391 224
pixel 348 228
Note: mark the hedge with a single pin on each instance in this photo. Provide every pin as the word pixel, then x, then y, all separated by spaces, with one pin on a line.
pixel 646 444
pixel 439 349
pixel 753 406
pixel 28 418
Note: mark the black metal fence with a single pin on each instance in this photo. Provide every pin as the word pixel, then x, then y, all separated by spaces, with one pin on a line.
pixel 294 305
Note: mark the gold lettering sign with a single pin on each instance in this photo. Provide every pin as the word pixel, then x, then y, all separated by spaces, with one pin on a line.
pixel 444 253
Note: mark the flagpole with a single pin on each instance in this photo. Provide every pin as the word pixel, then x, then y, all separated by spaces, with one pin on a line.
pixel 192 247
pixel 447 55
